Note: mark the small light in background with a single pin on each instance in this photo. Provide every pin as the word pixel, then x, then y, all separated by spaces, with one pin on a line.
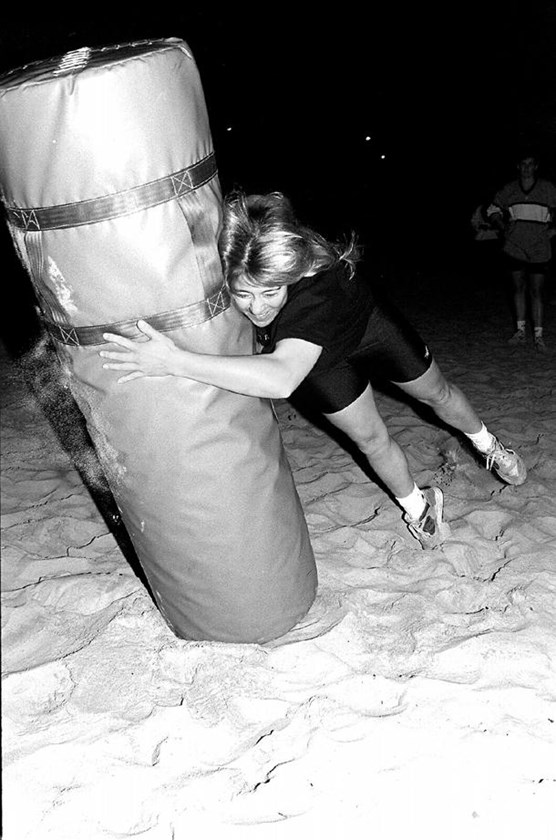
pixel 383 157
pixel 229 128
pixel 367 138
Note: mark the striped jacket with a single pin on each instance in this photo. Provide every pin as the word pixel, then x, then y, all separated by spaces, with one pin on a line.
pixel 528 216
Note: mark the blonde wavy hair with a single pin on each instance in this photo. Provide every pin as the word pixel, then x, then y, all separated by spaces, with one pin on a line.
pixel 263 243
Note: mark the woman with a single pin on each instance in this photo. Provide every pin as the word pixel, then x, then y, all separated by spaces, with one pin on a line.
pixel 321 334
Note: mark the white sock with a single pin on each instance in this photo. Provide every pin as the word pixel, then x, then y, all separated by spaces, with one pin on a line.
pixel 521 326
pixel 414 504
pixel 481 440
pixel 538 332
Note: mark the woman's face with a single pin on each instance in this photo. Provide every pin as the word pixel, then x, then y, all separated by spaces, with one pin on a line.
pixel 261 304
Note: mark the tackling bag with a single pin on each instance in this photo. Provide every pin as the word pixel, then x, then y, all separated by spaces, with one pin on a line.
pixel 112 198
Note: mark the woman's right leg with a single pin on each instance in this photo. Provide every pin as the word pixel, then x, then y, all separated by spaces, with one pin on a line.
pixel 362 423
pixel 423 509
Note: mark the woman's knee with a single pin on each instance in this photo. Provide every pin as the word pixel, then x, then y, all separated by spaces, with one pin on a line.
pixel 374 441
pixel 441 395
pixel 362 423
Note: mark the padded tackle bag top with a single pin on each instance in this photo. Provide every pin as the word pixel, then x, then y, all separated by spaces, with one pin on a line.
pixel 109 182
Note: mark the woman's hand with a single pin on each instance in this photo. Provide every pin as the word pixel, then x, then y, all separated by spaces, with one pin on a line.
pixel 147 358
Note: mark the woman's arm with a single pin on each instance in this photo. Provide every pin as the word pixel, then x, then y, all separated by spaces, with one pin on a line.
pixel 274 375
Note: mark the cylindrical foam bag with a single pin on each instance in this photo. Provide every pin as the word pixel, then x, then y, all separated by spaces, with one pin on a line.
pixel 113 202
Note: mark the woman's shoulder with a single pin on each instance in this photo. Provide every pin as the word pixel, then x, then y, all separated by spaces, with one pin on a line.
pixel 317 281
pixel 341 284
pixel 334 274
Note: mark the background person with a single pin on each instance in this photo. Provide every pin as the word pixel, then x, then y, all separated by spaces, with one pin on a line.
pixel 524 213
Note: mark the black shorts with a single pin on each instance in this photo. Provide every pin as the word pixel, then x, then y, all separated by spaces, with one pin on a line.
pixel 390 349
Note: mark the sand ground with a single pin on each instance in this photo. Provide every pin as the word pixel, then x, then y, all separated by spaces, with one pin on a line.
pixel 417 698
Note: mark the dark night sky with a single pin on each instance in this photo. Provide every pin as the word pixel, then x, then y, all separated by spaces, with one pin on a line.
pixel 446 95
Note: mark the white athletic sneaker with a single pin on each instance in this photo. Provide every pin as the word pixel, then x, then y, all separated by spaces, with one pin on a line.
pixel 506 463
pixel 429 528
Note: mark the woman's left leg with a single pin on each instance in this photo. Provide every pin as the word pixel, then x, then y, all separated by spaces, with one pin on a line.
pixel 450 404
pixel 446 400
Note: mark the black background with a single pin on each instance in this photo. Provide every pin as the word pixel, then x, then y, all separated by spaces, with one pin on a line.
pixel 447 93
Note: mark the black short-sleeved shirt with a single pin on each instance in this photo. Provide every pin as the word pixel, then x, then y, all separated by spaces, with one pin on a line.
pixel 330 309
pixel 361 336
